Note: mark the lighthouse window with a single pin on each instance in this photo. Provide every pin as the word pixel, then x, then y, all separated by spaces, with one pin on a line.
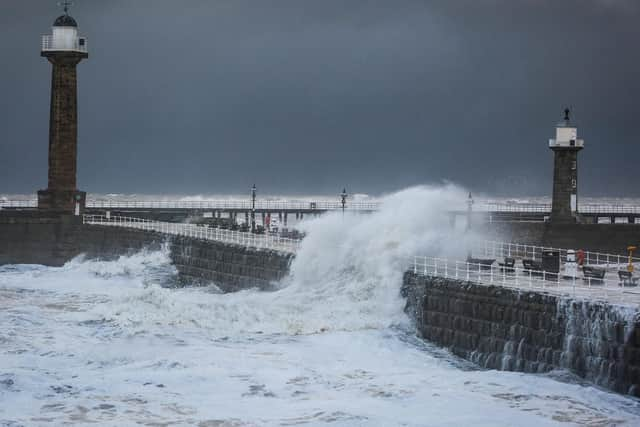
pixel 574 183
pixel 574 165
pixel 81 42
pixel 572 143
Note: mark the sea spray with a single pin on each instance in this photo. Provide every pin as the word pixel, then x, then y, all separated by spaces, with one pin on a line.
pixel 346 275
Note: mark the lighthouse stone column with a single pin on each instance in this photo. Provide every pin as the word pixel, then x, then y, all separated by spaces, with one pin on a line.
pixel 64 50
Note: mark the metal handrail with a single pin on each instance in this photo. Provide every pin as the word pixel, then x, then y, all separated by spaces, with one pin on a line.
pixel 50 43
pixel 319 205
pixel 266 241
pixel 521 278
pixel 586 208
pixel 231 204
pixel 273 205
pixel 30 203
pixel 496 249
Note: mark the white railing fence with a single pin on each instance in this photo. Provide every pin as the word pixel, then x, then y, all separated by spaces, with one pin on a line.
pixel 498 250
pixel 521 278
pixel 276 205
pixel 269 205
pixel 51 43
pixel 516 207
pixel 586 208
pixel 203 232
pixel 31 203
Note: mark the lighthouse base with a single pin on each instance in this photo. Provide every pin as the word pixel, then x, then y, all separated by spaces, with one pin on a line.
pixel 67 201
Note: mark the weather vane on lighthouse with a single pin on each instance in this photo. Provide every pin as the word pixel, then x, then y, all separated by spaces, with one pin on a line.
pixel 65 5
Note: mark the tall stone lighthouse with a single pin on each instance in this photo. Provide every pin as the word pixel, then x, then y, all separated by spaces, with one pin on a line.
pixel 64 49
pixel 565 146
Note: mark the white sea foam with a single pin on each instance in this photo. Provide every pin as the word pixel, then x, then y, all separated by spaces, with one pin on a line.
pixel 103 342
pixel 346 275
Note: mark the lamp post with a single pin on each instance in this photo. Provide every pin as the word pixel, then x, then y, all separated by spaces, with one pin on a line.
pixel 253 208
pixel 343 200
pixel 470 203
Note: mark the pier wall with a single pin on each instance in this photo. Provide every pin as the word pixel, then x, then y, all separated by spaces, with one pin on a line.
pixel 52 241
pixel 513 330
pixel 605 238
pixel 231 267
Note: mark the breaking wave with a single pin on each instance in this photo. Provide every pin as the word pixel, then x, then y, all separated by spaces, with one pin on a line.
pixel 346 275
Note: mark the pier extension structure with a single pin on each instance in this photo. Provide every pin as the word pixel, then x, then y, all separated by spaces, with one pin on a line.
pixel 181 210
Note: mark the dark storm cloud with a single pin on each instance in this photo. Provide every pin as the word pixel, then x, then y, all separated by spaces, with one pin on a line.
pixel 309 96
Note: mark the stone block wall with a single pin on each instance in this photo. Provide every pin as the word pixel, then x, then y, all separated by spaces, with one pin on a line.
pixel 53 240
pixel 231 267
pixel 38 239
pixel 565 182
pixel 605 238
pixel 512 330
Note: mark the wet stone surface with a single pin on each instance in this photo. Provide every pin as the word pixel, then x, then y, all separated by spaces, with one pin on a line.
pixel 514 330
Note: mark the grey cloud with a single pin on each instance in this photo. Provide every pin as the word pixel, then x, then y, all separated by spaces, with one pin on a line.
pixel 308 96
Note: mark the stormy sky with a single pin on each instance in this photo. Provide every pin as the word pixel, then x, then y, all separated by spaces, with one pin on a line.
pixel 309 96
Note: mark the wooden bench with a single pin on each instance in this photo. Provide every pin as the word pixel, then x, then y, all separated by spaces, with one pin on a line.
pixel 508 265
pixel 627 279
pixel 593 275
pixel 485 263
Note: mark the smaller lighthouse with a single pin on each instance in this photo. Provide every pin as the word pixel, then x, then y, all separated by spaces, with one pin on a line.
pixel 565 146
pixel 64 49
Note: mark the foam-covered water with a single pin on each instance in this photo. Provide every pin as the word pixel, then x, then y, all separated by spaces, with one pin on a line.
pixel 103 342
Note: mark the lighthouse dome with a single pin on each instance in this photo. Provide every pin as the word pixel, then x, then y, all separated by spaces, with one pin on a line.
pixel 65 21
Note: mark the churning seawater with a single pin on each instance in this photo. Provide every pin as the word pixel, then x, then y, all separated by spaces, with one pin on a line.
pixel 108 343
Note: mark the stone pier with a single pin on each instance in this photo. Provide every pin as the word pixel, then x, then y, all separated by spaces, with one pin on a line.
pixel 41 238
pixel 513 330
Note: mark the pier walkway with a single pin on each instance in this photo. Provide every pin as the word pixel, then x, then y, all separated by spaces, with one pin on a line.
pixel 596 213
pixel 609 288
pixel 203 232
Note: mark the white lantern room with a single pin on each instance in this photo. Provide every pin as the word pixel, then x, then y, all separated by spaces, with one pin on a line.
pixel 64 37
pixel 566 134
